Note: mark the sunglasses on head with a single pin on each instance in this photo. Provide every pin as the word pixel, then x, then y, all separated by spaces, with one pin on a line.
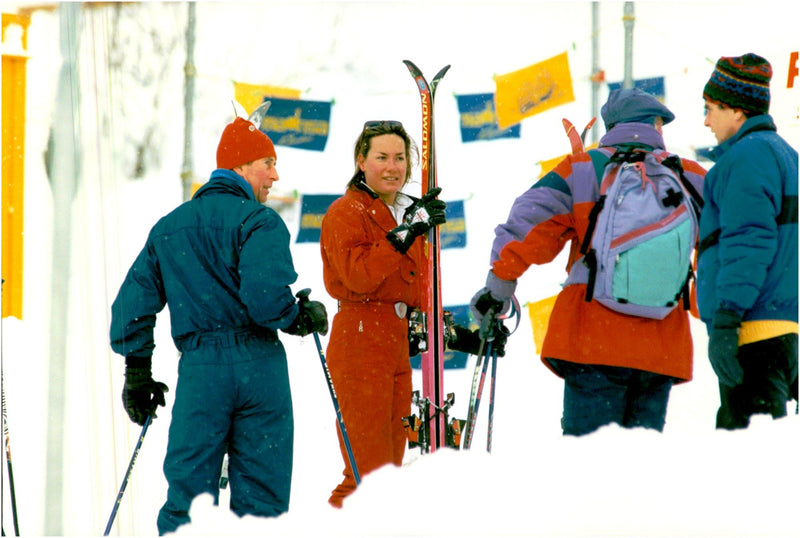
pixel 391 124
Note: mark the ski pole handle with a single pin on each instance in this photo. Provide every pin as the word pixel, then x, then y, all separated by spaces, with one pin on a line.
pixel 302 295
pixel 485 329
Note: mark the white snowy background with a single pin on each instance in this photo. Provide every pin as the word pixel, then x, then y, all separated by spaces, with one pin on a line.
pixel 689 481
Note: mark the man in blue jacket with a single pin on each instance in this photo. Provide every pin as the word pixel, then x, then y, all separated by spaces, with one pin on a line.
pixel 747 271
pixel 222 263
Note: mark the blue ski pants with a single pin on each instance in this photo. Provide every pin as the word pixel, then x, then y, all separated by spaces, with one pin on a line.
pixel 596 395
pixel 232 395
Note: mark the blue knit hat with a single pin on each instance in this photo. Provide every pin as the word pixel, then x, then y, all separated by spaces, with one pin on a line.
pixel 633 106
pixel 741 82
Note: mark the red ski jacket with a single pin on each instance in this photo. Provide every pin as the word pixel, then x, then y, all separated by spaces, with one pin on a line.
pixel 554 212
pixel 359 264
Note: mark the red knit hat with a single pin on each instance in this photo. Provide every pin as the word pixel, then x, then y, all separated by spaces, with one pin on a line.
pixel 241 142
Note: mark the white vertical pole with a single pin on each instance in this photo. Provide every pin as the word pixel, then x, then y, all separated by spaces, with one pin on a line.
pixel 63 176
pixel 628 19
pixel 187 173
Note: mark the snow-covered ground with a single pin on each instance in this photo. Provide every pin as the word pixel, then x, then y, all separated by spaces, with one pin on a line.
pixel 689 481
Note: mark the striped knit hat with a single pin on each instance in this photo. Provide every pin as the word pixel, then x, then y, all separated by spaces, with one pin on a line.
pixel 741 82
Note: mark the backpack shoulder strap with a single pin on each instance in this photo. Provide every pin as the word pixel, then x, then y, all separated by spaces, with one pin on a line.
pixel 600 158
pixel 673 162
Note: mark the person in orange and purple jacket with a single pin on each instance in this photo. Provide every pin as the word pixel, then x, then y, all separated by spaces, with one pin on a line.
pixel 617 368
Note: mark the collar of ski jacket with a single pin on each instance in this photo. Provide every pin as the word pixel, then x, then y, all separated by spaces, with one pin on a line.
pixel 633 133
pixel 402 200
pixel 362 185
pixel 762 122
pixel 227 181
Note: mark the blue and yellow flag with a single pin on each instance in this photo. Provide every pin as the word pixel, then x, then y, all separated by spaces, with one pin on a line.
pixel 654 86
pixel 479 120
pixel 312 209
pixel 250 96
pixel 532 90
pixel 298 123
pixel 453 233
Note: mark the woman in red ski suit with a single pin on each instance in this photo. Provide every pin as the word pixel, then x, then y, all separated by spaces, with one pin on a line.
pixel 372 263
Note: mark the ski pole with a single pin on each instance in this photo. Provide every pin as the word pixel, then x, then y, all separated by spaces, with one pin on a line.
pixel 338 410
pixel 8 462
pixel 127 475
pixel 515 312
pixel 476 394
pixel 491 401
pixel 302 296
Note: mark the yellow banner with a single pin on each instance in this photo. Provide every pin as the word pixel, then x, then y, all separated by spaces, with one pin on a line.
pixel 532 90
pixel 252 95
pixel 548 164
pixel 539 312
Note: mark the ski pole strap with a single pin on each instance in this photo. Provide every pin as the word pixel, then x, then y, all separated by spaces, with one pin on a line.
pixel 515 312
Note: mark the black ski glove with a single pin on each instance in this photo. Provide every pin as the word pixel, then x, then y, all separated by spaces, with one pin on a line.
pixel 495 296
pixel 141 395
pixel 424 214
pixel 723 347
pixel 312 317
pixel 469 341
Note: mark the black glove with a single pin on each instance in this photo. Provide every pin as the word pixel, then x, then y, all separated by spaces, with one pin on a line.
pixel 482 302
pixel 141 395
pixel 723 346
pixel 312 317
pixel 469 341
pixel 424 214
pixel 495 296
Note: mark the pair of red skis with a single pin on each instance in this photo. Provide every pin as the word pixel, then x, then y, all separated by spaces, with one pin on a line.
pixel 430 430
